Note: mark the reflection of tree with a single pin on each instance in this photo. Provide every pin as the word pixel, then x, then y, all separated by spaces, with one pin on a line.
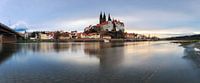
pixel 60 47
pixel 109 54
pixel 192 54
pixel 75 47
pixel 6 51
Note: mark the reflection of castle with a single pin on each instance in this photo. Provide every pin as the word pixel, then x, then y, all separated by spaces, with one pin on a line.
pixel 111 27
pixel 109 58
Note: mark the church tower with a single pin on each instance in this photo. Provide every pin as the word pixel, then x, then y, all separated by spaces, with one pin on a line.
pixel 104 17
pixel 109 18
pixel 100 18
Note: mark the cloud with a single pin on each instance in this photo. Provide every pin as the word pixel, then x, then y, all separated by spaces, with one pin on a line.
pixel 164 16
pixel 160 22
pixel 156 16
pixel 80 22
pixel 180 30
pixel 20 24
pixel 58 25
pixel 162 33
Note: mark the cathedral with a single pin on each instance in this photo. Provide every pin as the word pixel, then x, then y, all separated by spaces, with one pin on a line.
pixel 110 24
pixel 107 26
pixel 102 18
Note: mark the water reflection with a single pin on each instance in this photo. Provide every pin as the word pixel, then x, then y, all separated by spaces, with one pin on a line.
pixel 45 47
pixel 6 51
pixel 134 62
pixel 192 53
pixel 110 55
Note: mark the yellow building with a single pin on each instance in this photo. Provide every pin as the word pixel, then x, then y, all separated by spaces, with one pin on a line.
pixel 43 36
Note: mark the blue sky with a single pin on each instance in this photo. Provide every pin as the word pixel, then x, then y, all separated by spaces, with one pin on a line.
pixel 167 17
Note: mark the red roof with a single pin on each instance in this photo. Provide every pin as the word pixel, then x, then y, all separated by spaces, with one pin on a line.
pixel 104 23
pixel 90 34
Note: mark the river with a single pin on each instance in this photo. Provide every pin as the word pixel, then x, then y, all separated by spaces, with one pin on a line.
pixel 94 62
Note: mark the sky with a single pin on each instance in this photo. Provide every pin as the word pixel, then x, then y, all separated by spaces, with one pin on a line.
pixel 158 17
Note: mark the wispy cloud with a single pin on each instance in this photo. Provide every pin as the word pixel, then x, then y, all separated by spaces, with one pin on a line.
pixel 176 31
pixel 19 24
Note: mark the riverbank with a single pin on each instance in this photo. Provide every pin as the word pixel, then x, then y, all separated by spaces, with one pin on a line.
pixel 86 40
pixel 185 42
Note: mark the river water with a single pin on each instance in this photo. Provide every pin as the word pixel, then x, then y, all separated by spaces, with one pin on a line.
pixel 131 62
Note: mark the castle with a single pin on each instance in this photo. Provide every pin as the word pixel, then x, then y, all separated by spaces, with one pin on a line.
pixel 111 27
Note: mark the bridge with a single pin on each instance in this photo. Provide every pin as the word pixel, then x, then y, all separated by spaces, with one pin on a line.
pixel 7 35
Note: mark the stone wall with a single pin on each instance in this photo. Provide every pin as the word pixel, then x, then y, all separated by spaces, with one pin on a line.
pixel 8 39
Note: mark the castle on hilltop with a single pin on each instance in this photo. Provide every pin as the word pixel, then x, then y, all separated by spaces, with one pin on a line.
pixel 107 26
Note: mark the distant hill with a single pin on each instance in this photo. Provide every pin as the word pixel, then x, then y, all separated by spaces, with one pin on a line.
pixel 188 37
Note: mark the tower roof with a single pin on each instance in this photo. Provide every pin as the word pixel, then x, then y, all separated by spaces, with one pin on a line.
pixel 109 18
pixel 101 14
pixel 104 16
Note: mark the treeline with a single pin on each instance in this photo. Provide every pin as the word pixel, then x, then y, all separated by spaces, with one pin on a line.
pixel 189 37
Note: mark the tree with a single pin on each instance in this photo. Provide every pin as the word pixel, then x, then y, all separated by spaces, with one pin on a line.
pixel 56 35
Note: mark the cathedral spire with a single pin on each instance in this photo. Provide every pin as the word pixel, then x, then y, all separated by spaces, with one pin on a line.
pixel 109 18
pixel 100 18
pixel 104 17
